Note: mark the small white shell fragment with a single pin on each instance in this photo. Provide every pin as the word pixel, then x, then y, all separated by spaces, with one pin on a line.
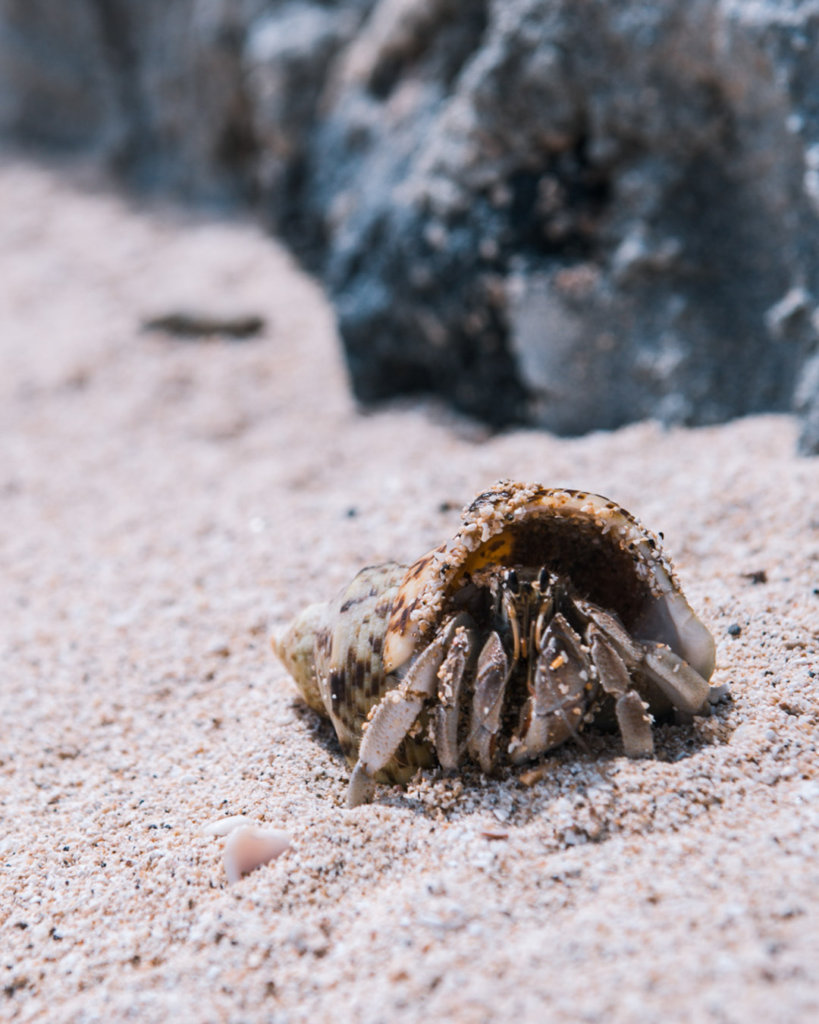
pixel 224 826
pixel 248 848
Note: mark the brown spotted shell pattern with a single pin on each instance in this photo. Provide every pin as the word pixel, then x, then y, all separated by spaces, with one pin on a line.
pixel 608 611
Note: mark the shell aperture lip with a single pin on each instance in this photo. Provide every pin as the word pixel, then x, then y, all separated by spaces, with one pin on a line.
pixel 604 549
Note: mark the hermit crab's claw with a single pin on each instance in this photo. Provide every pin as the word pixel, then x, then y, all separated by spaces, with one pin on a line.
pixel 682 685
pixel 670 619
pixel 295 648
pixel 491 677
pixel 560 682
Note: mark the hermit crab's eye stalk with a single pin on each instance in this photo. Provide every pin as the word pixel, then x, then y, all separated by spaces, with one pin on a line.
pixel 548 611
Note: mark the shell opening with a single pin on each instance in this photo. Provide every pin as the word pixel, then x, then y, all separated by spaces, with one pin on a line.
pixel 600 564
pixel 613 563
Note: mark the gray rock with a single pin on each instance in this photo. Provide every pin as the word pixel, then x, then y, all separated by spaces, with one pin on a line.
pixel 563 213
pixel 193 97
pixel 54 81
pixel 806 403
pixel 599 221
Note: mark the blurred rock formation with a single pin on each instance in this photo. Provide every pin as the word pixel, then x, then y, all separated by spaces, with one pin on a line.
pixel 567 213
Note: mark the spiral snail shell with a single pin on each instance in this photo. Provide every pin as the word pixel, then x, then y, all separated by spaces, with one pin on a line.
pixel 547 611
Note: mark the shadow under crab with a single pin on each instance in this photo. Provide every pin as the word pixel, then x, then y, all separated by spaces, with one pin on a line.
pixel 549 610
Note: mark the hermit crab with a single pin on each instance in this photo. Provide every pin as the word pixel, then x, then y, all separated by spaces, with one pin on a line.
pixel 548 610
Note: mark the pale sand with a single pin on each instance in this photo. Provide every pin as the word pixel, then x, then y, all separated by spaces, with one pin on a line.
pixel 166 505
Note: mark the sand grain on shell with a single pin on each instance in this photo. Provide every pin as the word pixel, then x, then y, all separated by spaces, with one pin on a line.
pixel 165 505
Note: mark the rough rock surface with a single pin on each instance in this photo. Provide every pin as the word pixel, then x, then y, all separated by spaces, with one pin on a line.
pixel 573 214
pixel 206 98
pixel 606 212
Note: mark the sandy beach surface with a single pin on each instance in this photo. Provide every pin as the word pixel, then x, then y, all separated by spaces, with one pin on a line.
pixel 166 505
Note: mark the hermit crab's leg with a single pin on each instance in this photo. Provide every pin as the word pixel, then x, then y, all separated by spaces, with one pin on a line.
pixel 681 684
pixel 446 714
pixel 634 722
pixel 612 671
pixel 559 693
pixel 393 718
pixel 491 677
pixel 615 633
pixel 633 718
